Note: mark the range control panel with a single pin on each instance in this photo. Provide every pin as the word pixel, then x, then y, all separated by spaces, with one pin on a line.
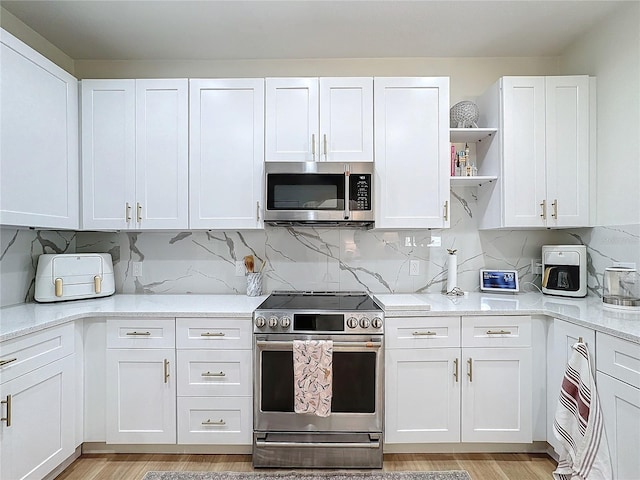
pixel 303 322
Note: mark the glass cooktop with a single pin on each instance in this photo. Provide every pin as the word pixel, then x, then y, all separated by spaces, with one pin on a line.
pixel 338 301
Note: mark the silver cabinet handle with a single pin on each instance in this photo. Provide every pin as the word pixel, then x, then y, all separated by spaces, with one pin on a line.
pixel 7 402
pixel 212 334
pixel 324 144
pixel 499 332
pixel 138 334
pixel 543 205
pixel 127 212
pixel 209 374
pixel 5 362
pixel 97 284
pixel 313 146
pixel 139 212
pixel 58 287
pixel 428 333
pixel 446 210
pixel 257 211
pixel 470 369
pixel 218 422
pixel 455 369
pixel 554 214
pixel 166 370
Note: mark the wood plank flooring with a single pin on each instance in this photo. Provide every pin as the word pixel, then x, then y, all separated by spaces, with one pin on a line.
pixel 481 466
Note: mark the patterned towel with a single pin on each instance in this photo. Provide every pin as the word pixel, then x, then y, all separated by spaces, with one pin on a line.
pixel 578 424
pixel 312 376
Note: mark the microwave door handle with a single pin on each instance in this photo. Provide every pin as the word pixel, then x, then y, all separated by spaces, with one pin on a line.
pixel 347 193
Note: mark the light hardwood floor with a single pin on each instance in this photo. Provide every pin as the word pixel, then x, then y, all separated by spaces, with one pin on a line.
pixel 481 466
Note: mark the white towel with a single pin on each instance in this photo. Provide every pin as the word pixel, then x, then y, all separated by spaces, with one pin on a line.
pixel 578 424
pixel 313 376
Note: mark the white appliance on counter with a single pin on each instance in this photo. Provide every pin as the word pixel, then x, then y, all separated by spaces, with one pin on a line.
pixel 564 270
pixel 74 276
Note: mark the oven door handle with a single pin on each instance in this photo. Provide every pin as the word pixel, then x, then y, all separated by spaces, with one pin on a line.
pixel 277 343
pixel 372 444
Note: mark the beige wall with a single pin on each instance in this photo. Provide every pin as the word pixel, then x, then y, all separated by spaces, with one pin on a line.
pixel 611 52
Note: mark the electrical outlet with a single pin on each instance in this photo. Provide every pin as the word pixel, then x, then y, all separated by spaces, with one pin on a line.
pixel 414 268
pixel 137 269
pixel 536 266
pixel 240 268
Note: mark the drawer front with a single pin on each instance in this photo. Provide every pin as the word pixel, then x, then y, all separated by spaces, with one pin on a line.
pixel 422 332
pixel 215 420
pixel 214 373
pixel 496 331
pixel 222 333
pixel 140 333
pixel 618 358
pixel 27 353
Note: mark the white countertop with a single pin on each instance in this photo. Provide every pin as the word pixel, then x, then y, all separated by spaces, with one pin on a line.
pixel 27 318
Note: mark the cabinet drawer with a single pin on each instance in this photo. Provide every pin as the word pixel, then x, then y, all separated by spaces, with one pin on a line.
pixel 422 332
pixel 214 372
pixel 215 420
pixel 24 354
pixel 223 333
pixel 141 333
pixel 496 331
pixel 619 358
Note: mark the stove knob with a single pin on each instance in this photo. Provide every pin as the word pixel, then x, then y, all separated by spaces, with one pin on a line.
pixel 273 321
pixel 260 322
pixel 352 322
pixel 364 322
pixel 285 322
pixel 376 322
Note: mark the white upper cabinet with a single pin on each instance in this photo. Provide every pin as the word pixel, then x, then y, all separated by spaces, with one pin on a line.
pixel 325 119
pixel 135 154
pixel 227 153
pixel 540 155
pixel 39 139
pixel 412 152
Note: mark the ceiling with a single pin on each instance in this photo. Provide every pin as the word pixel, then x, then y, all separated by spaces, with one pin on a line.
pixel 238 29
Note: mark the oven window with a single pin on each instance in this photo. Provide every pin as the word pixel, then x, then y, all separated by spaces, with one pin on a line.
pixel 305 191
pixel 354 382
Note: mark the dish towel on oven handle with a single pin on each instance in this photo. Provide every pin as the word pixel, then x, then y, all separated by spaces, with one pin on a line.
pixel 578 424
pixel 313 376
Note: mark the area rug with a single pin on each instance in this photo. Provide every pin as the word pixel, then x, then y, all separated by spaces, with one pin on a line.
pixel 320 475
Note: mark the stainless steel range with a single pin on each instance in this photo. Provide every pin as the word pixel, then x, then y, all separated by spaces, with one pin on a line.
pixel 352 435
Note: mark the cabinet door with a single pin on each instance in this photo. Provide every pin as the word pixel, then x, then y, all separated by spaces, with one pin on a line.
pixel 621 412
pixel 346 119
pixel 562 335
pixel 162 154
pixel 42 430
pixel 412 152
pixel 108 154
pixel 567 151
pixel 291 120
pixel 496 395
pixel 141 396
pixel 227 153
pixel 39 140
pixel 422 395
pixel 523 130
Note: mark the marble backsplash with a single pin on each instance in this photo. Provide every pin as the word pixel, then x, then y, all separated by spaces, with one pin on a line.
pixel 312 258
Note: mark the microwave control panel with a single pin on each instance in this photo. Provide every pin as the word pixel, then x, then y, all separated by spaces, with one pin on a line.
pixel 359 191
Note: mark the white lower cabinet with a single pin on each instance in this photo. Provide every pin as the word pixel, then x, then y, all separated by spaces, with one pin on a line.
pixel 618 382
pixel 214 420
pixel 37 430
pixel 453 394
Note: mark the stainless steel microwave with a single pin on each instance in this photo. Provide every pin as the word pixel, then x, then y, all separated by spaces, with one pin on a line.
pixel 324 193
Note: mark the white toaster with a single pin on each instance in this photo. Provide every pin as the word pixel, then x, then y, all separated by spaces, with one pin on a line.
pixel 74 276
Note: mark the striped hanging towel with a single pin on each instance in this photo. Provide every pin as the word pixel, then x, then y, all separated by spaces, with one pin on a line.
pixel 312 376
pixel 578 424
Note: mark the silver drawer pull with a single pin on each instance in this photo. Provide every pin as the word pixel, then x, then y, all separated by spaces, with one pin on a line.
pixel 218 422
pixel 139 334
pixel 427 333
pixel 5 362
pixel 500 332
pixel 212 334
pixel 209 374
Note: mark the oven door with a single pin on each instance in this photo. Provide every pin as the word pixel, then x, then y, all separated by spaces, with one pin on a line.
pixel 357 399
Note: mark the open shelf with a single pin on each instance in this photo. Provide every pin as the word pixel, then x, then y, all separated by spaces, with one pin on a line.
pixel 459 135
pixel 471 181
